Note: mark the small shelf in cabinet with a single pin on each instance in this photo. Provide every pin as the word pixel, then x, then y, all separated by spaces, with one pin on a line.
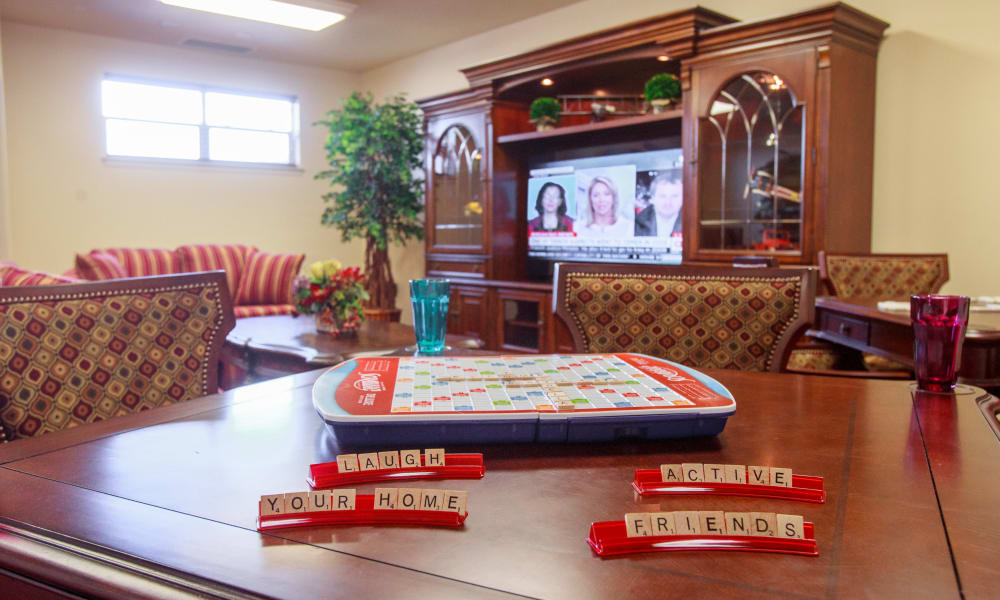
pixel 607 125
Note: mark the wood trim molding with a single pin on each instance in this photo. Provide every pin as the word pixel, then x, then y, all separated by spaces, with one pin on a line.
pixel 674 31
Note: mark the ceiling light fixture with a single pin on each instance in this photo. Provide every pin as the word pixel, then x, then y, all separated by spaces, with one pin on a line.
pixel 298 15
pixel 547 81
pixel 663 58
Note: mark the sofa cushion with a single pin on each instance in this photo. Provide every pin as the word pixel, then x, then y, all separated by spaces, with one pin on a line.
pixel 143 262
pixel 98 266
pixel 210 257
pixel 13 275
pixel 268 279
pixel 263 310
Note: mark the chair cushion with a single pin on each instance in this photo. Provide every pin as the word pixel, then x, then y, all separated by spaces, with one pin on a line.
pixel 732 323
pixel 11 275
pixel 268 279
pixel 883 276
pixel 210 257
pixel 143 262
pixel 83 357
pixel 98 266
pixel 263 310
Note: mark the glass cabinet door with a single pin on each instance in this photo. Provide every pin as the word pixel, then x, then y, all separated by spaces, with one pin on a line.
pixel 750 167
pixel 457 189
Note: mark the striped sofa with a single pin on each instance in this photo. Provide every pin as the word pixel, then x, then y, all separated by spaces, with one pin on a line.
pixel 260 282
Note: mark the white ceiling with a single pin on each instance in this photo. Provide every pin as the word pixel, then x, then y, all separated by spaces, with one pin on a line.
pixel 375 33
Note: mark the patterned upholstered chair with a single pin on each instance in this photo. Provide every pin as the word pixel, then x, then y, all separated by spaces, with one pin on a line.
pixel 708 317
pixel 883 275
pixel 84 352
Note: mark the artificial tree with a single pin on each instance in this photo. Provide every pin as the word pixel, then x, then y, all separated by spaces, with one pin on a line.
pixel 375 154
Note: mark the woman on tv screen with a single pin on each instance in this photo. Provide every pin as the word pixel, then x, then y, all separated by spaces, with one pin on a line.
pixel 551 207
pixel 600 211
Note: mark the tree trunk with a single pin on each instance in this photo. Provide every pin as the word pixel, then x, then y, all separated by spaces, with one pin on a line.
pixel 381 286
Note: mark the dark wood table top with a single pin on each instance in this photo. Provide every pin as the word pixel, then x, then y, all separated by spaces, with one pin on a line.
pixel 296 336
pixel 178 487
pixel 982 325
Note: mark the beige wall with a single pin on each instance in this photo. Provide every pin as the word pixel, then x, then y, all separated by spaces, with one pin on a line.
pixel 5 248
pixel 64 198
pixel 935 120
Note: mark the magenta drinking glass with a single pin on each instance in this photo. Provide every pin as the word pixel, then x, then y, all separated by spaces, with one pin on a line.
pixel 938 330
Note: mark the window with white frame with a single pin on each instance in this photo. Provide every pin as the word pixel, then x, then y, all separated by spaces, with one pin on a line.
pixel 188 122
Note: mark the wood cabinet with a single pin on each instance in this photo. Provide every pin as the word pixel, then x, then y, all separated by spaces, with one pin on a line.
pixel 776 130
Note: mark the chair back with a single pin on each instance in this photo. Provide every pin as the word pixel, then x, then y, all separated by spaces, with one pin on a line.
pixel 79 353
pixel 883 275
pixel 704 316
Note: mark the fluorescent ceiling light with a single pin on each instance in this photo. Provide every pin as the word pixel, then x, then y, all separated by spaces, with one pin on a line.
pixel 269 11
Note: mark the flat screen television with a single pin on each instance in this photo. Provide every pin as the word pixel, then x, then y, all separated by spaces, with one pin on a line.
pixel 614 208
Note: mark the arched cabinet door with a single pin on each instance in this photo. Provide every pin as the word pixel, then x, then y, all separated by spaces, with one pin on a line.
pixel 456 206
pixel 751 163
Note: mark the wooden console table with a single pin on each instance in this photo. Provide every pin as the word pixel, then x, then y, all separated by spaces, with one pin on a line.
pixel 261 348
pixel 163 503
pixel 858 323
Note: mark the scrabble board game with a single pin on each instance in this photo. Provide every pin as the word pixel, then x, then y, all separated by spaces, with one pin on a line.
pixel 525 398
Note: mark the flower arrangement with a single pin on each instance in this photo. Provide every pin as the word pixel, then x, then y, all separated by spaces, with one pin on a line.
pixel 334 294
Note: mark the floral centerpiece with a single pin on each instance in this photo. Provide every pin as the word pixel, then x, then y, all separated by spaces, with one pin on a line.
pixel 334 294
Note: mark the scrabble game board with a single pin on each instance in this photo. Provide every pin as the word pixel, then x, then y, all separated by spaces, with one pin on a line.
pixel 525 398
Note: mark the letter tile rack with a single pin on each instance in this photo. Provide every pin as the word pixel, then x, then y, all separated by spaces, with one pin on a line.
pixel 609 538
pixel 364 513
pixel 456 466
pixel 805 488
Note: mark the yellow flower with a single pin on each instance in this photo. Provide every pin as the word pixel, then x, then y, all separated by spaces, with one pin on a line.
pixel 316 270
pixel 330 267
pixel 473 208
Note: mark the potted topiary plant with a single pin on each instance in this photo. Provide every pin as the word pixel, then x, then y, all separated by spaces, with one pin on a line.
pixel 662 90
pixel 375 153
pixel 545 113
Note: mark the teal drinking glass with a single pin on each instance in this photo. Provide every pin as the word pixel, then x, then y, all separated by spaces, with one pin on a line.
pixel 429 298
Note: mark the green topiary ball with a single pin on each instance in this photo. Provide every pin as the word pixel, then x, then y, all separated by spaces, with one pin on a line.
pixel 663 86
pixel 545 107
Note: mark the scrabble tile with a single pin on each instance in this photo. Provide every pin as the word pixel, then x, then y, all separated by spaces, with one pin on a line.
pixel 712 522
pixel 272 504
pixel 434 457
pixel 764 524
pixel 347 463
pixel 758 475
pixel 735 473
pixel 296 502
pixel 693 471
pixel 385 498
pixel 408 499
pixel 671 473
pixel 638 525
pixel 368 461
pixel 389 460
pixel 715 473
pixel 791 526
pixel 318 500
pixel 431 500
pixel 456 500
pixel 343 499
pixel 409 458
pixel 781 477
pixel 738 523
pixel 662 523
pixel 687 523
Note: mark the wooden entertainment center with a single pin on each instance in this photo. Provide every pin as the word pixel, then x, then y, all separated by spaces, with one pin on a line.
pixel 776 127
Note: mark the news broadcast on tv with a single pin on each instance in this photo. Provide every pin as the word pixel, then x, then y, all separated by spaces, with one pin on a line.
pixel 607 209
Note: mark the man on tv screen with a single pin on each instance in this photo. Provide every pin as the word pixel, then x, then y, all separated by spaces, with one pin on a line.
pixel 663 215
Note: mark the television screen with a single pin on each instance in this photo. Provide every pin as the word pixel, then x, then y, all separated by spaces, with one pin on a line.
pixel 607 208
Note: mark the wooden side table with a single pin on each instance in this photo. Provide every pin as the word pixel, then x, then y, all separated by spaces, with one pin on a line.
pixel 261 348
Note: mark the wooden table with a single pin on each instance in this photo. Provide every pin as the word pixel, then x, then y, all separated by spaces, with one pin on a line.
pixel 166 500
pixel 859 324
pixel 261 348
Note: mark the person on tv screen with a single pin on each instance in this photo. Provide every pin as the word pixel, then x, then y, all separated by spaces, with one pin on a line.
pixel 600 211
pixel 663 215
pixel 551 207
